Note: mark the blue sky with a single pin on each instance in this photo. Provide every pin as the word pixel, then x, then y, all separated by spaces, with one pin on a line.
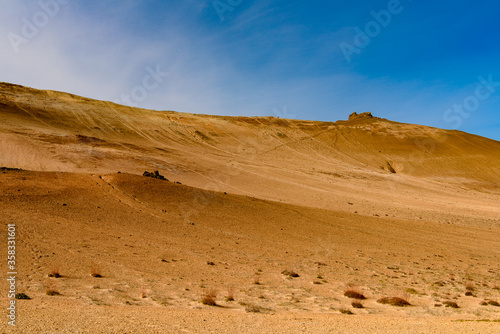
pixel 425 62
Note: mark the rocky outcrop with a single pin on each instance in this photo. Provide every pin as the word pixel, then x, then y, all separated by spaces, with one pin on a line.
pixel 155 175
pixel 364 115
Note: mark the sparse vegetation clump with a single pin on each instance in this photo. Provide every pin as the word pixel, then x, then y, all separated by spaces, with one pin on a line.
pixel 230 295
pixel 290 273
pixel 357 304
pixel 52 292
pixel 345 311
pixel 394 301
pixel 22 295
pixel 319 264
pixel 51 288
pixel 209 298
pixel 144 293
pixel 55 272
pixel 95 271
pixel 252 308
pixel 412 291
pixel 354 293
pixel 451 304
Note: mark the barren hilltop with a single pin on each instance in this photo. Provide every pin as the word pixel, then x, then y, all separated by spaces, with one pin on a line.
pixel 278 222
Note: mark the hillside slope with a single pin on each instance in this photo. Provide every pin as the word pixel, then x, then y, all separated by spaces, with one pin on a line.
pixel 326 165
pixel 114 131
pixel 160 246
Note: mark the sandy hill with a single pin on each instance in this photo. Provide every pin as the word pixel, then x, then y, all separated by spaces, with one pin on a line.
pixel 391 209
pixel 55 123
pixel 301 162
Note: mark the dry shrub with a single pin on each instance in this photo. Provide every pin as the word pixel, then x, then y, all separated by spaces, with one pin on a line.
pixel 50 289
pixel 412 291
pixel 290 273
pixel 209 298
pixel 52 292
pixel 294 299
pixel 256 280
pixel 230 295
pixel 394 301
pixel 352 292
pixel 144 293
pixel 345 311
pixel 55 272
pixel 469 286
pixel 22 295
pixel 357 304
pixel 251 308
pixel 95 271
pixel 451 304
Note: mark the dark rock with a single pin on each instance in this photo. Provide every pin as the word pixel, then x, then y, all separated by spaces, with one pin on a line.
pixel 155 175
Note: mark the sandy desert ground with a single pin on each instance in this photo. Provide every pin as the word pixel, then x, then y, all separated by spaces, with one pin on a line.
pixel 273 219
